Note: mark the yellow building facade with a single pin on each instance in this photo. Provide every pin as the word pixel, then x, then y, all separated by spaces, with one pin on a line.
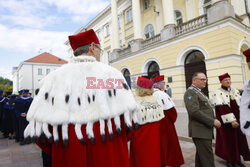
pixel 176 38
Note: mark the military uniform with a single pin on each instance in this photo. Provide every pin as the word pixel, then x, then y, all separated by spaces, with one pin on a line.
pixel 201 123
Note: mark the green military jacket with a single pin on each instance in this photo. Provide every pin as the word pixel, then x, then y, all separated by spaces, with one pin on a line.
pixel 200 114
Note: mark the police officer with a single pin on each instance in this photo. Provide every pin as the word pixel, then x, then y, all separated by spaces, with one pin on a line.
pixel 201 120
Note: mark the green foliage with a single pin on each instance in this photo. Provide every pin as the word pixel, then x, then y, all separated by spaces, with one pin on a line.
pixel 6 84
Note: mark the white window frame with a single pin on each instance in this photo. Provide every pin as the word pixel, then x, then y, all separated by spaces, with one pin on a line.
pixel 98 33
pixel 149 33
pixel 178 18
pixel 107 30
pixel 47 71
pixel 129 16
pixel 205 5
pixel 40 71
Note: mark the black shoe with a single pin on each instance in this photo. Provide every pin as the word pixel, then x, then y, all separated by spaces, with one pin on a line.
pixel 230 165
pixel 241 165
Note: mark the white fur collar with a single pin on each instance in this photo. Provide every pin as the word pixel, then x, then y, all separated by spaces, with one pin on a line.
pixel 82 58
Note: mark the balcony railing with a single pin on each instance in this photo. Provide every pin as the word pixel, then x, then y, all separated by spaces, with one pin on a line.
pixel 150 41
pixel 191 25
pixel 186 27
pixel 124 52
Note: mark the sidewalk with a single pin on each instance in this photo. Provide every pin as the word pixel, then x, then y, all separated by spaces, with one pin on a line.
pixel 14 155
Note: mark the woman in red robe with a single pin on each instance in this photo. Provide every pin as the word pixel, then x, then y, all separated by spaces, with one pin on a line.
pixel 171 154
pixel 145 142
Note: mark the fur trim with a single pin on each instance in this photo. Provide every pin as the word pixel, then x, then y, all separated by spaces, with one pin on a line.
pixel 74 103
pixel 163 99
pixel 222 97
pixel 55 133
pixel 110 126
pixel 244 108
pixel 149 110
pixel 78 131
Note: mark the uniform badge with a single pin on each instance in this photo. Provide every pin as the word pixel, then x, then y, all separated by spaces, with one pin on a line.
pixel 189 97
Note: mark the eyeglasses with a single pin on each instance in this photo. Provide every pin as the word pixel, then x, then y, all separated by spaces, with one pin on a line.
pixel 202 79
pixel 101 51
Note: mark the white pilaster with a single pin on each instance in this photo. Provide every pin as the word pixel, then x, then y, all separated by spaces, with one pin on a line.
pixel 115 44
pixel 136 9
pixel 190 9
pixel 168 12
pixel 122 25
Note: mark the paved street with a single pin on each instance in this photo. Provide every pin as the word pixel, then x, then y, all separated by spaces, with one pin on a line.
pixel 14 155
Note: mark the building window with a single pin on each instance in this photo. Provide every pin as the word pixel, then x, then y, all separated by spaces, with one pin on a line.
pixel 194 56
pixel 109 55
pixel 107 30
pixel 146 4
pixel 47 71
pixel 126 73
pixel 149 31
pixel 153 69
pixel 98 33
pixel 206 5
pixel 178 17
pixel 129 16
pixel 40 71
pixel 119 20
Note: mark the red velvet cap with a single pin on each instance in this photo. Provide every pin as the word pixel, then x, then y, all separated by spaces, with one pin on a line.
pixel 247 54
pixel 83 38
pixel 144 83
pixel 223 76
pixel 158 78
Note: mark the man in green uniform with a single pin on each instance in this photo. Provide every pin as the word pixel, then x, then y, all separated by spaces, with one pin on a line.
pixel 201 120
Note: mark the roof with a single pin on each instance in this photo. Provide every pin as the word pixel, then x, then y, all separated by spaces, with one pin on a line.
pixel 47 58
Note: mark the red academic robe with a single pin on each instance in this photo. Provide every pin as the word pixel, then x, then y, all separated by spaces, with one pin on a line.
pixel 145 146
pixel 109 154
pixel 171 154
pixel 230 142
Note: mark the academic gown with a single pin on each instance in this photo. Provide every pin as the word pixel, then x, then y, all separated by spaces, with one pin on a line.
pixel 3 100
pixel 22 105
pixel 230 142
pixel 145 146
pixel 111 153
pixel 10 117
pixel 171 154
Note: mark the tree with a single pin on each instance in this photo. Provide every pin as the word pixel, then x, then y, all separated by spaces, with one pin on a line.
pixel 6 85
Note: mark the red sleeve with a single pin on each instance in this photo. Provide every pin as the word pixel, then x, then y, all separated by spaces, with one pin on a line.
pixel 171 114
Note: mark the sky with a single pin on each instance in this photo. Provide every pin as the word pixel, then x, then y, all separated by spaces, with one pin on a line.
pixel 31 27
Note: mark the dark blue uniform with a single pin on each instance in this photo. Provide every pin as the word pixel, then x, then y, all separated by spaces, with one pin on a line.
pixel 22 104
pixel 11 121
pixel 3 100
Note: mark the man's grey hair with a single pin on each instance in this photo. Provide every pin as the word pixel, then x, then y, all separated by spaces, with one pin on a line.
pixel 196 74
pixel 83 49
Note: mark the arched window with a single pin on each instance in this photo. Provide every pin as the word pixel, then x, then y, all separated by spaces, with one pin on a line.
pixel 206 5
pixel 126 73
pixel 149 31
pixel 194 56
pixel 153 69
pixel 178 17
pixel 146 4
